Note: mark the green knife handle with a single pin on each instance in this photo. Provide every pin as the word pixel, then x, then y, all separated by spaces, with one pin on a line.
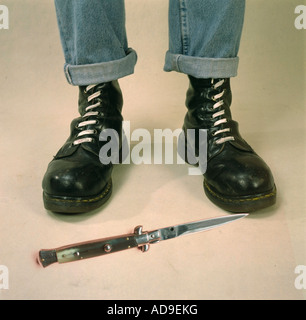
pixel 85 250
pixel 95 248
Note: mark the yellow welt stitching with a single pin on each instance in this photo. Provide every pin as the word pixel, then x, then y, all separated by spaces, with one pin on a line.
pixel 240 200
pixel 87 200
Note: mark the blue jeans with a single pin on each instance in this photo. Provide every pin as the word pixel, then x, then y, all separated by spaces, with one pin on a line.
pixel 204 38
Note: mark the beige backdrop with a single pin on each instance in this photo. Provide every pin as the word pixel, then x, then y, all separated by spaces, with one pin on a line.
pixel 254 258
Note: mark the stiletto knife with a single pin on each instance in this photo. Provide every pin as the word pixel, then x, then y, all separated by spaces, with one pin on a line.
pixel 139 238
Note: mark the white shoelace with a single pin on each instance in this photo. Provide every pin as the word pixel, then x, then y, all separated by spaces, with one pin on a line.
pixel 96 94
pixel 219 113
pixel 88 113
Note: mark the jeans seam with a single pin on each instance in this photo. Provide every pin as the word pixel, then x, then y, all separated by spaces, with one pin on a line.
pixel 178 62
pixel 184 27
pixel 66 69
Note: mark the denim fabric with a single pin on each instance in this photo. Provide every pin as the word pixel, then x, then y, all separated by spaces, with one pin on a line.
pixel 204 38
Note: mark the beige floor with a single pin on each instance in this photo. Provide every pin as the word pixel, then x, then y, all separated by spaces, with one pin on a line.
pixel 254 258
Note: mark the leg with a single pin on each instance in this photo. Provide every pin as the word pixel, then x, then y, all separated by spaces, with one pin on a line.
pixel 94 41
pixel 204 37
pixel 96 53
pixel 204 42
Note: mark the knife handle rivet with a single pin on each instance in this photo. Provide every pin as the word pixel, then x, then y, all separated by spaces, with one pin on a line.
pixel 107 247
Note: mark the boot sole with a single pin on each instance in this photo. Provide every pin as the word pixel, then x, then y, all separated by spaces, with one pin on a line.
pixel 71 205
pixel 243 204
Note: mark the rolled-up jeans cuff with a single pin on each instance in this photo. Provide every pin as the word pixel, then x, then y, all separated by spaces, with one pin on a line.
pixel 86 74
pixel 202 67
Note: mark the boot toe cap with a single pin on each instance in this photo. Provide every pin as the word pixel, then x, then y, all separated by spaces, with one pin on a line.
pixel 237 173
pixel 69 179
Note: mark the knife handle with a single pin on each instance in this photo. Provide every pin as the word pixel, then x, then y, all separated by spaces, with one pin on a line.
pixel 85 250
pixel 94 248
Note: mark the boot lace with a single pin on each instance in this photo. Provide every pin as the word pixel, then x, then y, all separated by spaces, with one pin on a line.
pixel 219 113
pixel 89 111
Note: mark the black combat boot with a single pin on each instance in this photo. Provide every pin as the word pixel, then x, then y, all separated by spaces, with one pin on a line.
pixel 236 178
pixel 76 179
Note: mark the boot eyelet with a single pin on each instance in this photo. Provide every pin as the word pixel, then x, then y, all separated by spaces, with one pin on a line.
pixel 213 132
